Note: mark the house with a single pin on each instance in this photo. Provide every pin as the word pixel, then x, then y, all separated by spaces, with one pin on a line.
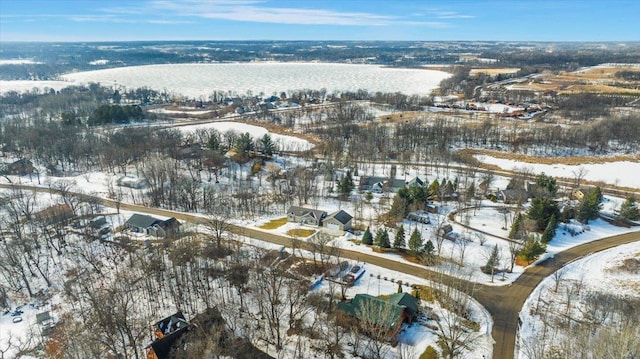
pixel 131 182
pixel 141 223
pixel 517 196
pixel 379 313
pixel 408 301
pixel 415 182
pixel 580 193
pixel 303 215
pixel 188 152
pixel 167 331
pixel 445 230
pixel 55 214
pixel 20 167
pixel 339 221
pixel 419 216
pixel 372 184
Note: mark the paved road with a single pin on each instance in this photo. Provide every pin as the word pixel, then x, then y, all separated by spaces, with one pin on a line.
pixel 503 303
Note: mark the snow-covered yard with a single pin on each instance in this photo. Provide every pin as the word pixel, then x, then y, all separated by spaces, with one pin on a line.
pixel 585 291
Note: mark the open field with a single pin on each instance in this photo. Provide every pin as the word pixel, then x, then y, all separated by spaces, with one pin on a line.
pixel 572 161
pixel 598 79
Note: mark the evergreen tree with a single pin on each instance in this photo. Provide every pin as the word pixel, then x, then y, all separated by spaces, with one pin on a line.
pixel 415 242
pixel 629 209
pixel 546 186
pixel 367 237
pixel 541 211
pixel 492 262
pixel 550 231
pixel 346 184
pixel 214 142
pixel 532 248
pixel 383 240
pixel 516 227
pixel 244 144
pixel 428 255
pixel 590 206
pixel 267 144
pixel 399 241
pixel 429 248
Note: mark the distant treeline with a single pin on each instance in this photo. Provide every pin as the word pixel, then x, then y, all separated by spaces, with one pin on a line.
pixel 108 114
pixel 628 75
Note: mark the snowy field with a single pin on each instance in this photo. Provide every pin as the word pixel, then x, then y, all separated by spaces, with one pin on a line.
pixel 199 80
pixel 283 142
pixel 599 273
pixel 622 173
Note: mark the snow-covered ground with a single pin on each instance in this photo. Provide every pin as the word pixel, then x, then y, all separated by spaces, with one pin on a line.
pixel 283 142
pixel 622 173
pixel 414 338
pixel 199 80
pixel 600 272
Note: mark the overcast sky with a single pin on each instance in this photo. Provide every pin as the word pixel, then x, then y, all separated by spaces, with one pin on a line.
pixel 429 20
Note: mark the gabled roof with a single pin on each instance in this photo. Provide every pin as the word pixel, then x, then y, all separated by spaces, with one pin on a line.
pixel 373 310
pixel 42 317
pixel 302 211
pixel 407 300
pixel 340 216
pixel 368 181
pixel 415 182
pixel 142 221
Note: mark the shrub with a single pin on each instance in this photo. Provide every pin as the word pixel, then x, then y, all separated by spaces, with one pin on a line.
pixel 430 353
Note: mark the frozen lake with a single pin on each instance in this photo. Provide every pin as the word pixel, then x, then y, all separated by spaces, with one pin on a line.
pixel 200 80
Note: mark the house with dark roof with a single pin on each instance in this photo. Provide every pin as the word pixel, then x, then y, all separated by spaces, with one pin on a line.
pixel 339 221
pixel 167 331
pixel 386 314
pixel 372 184
pixel 142 223
pixel 20 167
pixel 415 182
pixel 511 196
pixel 304 215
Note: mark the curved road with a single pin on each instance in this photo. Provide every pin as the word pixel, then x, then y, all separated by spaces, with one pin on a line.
pixel 504 303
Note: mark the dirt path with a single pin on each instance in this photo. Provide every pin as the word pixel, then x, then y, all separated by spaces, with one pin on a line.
pixel 503 303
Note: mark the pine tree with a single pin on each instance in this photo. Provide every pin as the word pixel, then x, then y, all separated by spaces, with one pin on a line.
pixel 428 256
pixel 383 241
pixel 346 184
pixel 532 248
pixel 629 209
pixel 515 227
pixel 492 262
pixel 550 231
pixel 399 241
pixel 367 237
pixel 590 206
pixel 415 242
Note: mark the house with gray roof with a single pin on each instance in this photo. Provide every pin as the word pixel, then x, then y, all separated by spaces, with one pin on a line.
pixel 304 215
pixel 339 221
pixel 142 223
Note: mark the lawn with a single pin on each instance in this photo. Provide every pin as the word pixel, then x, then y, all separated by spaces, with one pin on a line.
pixel 274 223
